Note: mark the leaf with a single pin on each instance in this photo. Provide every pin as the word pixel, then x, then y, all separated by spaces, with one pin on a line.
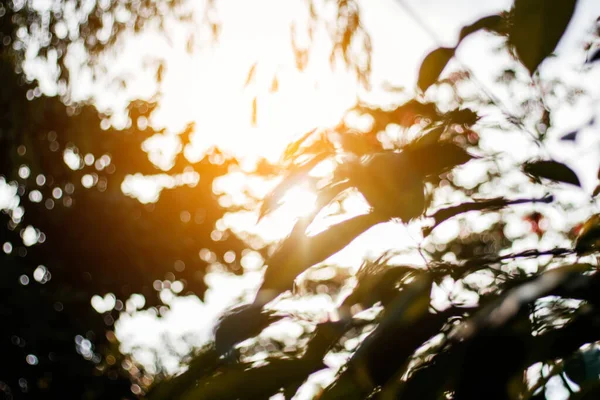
pixel 245 381
pixel 299 252
pixel 465 117
pixel 251 75
pixel 492 23
pixel 253 116
pixel 434 159
pixel 594 57
pixel 583 366
pixel 570 137
pixel 274 85
pixel 552 170
pixel 405 325
pixel 589 235
pixel 241 323
pixel 488 205
pixel 537 27
pixel 433 65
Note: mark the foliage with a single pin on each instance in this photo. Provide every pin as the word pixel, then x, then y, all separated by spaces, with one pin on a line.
pixel 509 302
pixel 507 310
pixel 86 236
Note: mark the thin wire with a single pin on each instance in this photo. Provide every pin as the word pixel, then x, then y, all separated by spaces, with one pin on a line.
pixel 513 119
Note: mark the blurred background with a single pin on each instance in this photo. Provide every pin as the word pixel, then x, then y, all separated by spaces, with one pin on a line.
pixel 138 140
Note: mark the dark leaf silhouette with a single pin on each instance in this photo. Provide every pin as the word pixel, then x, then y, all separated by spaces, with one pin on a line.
pixel 595 56
pixel 381 354
pixel 492 23
pixel 570 137
pixel 552 170
pixel 433 65
pixel 274 85
pixel 583 366
pixel 536 28
pixel 465 117
pixel 241 323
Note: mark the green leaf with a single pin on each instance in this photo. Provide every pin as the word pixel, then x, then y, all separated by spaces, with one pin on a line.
pixel 492 23
pixel 552 170
pixel 537 27
pixel 433 65
pixel 299 252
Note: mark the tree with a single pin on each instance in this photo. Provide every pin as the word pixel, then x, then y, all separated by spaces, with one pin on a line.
pixel 69 232
pixel 517 299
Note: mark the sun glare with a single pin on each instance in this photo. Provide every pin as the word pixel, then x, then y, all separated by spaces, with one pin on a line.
pixel 299 201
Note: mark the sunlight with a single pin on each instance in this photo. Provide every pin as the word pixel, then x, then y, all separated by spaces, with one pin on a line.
pixel 300 201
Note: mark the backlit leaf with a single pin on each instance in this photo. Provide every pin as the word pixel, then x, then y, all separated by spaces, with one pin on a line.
pixel 433 65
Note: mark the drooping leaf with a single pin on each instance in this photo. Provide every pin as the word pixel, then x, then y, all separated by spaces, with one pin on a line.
pixel 536 28
pixel 492 23
pixel 552 170
pixel 433 65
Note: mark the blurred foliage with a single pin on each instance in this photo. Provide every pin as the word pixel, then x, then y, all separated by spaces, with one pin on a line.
pixel 71 232
pixel 485 308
